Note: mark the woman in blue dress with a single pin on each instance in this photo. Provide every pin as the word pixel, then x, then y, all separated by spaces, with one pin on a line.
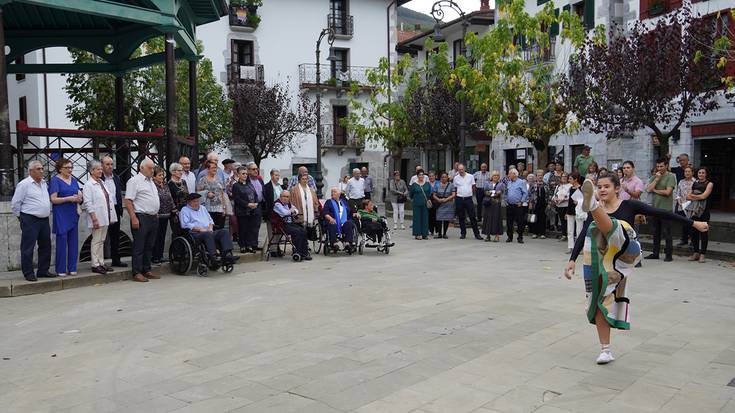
pixel 65 197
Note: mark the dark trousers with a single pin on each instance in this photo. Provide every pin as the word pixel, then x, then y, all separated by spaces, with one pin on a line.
pixel 700 239
pixel 144 238
pixel 465 207
pixel 515 214
pixel 374 229
pixel 432 220
pixel 539 227
pixel 355 204
pixel 161 231
pixel 479 195
pixel 368 195
pixel 218 218
pixel 218 239
pixel 113 234
pixel 34 230
pixel 684 229
pixel 298 238
pixel 348 231
pixel 561 216
pixel 662 226
pixel 249 228
pixel 442 227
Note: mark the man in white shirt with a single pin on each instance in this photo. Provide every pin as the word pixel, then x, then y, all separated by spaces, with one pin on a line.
pixel 464 185
pixel 415 177
pixel 142 203
pixel 355 190
pixel 32 205
pixel 188 176
pixel 113 185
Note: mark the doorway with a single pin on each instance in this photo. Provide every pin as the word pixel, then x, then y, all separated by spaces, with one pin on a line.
pixel 718 155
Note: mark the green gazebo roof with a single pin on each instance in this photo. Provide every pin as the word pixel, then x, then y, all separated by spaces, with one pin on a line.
pixel 111 29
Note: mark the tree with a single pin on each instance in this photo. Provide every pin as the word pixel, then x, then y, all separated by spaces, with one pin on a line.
pixel 266 122
pixel 514 86
pixel 145 102
pixel 652 77
pixel 382 118
pixel 724 48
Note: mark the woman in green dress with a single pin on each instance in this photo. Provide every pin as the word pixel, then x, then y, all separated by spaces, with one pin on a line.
pixel 420 194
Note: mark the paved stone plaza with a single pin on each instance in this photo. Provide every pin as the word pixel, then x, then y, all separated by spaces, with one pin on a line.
pixel 436 326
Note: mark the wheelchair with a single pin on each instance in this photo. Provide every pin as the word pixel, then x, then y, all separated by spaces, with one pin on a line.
pixel 328 249
pixel 371 241
pixel 185 251
pixel 280 240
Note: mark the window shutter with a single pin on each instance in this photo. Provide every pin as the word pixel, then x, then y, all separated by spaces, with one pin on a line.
pixel 234 52
pixel 643 9
pixel 554 31
pixel 589 14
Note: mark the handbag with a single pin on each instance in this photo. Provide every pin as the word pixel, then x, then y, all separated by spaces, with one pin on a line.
pixel 400 199
pixel 531 218
pixel 428 202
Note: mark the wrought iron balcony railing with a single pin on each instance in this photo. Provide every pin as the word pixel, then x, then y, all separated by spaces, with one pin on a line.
pixel 343 25
pixel 336 136
pixel 237 73
pixel 340 80
pixel 536 55
pixel 240 16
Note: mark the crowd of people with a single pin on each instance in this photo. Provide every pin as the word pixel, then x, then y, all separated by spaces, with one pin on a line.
pixel 540 201
pixel 217 206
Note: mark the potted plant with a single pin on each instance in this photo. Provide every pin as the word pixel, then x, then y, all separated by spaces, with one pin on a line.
pixel 252 6
pixel 253 20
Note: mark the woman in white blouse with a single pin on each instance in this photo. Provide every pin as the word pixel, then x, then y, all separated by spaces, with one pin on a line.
pixel 100 206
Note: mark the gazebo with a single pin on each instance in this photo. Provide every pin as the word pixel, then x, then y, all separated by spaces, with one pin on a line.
pixel 112 30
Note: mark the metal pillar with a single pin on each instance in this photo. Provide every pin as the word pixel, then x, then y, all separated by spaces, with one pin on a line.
pixel 122 149
pixel 6 152
pixel 193 108
pixel 171 144
pixel 463 106
pixel 319 174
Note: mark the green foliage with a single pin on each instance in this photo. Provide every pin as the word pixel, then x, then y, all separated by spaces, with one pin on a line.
pixel 514 86
pixel 376 119
pixel 93 97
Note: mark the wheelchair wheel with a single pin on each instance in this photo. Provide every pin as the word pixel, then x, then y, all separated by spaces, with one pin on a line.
pixel 296 257
pixel 227 268
pixel 180 256
pixel 202 270
pixel 361 246
pixel 318 243
pixel 386 250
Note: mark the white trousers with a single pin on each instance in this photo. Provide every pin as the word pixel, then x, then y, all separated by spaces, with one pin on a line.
pixel 574 226
pixel 399 213
pixel 97 247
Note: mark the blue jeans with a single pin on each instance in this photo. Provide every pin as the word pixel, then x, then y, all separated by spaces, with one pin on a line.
pixel 34 230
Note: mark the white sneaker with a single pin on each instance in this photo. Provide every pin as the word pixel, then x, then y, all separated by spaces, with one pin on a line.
pixel 61 274
pixel 589 203
pixel 403 226
pixel 605 357
pixel 395 227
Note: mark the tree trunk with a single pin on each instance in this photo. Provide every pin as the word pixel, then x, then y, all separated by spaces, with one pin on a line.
pixel 542 157
pixel 663 149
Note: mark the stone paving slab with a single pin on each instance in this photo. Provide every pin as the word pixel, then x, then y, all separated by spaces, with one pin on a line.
pixel 438 326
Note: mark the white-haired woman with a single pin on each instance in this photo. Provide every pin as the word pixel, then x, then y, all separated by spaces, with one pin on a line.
pixel 100 206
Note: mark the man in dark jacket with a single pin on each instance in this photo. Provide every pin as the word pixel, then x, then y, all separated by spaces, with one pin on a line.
pixel 249 204
pixel 110 178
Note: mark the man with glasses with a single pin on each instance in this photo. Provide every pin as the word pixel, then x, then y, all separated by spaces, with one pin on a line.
pixel 32 205
pixel 113 184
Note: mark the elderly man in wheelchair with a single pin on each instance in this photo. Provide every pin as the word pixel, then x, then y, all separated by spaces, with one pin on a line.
pixel 195 220
pixel 338 220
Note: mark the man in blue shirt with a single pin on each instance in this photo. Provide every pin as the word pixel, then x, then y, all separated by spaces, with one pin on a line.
pixel 200 225
pixel 516 196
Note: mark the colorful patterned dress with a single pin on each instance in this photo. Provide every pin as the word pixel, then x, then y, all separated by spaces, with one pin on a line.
pixel 609 260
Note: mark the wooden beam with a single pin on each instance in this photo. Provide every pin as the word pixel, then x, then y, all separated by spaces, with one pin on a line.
pixel 109 9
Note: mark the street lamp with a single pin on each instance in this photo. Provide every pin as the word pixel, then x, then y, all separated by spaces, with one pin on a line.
pixel 329 32
pixel 437 11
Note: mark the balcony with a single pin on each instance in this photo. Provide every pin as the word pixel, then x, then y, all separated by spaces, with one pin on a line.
pixel 343 25
pixel 337 137
pixel 244 18
pixel 343 81
pixel 534 54
pixel 245 74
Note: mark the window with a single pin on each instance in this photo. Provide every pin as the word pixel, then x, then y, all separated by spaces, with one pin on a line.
pixel 722 26
pixel 457 48
pixel 243 53
pixel 339 112
pixel 339 18
pixel 19 61
pixel 585 10
pixel 653 8
pixel 341 65
pixel 22 109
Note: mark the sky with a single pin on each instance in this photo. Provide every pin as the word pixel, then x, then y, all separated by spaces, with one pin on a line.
pixel 424 6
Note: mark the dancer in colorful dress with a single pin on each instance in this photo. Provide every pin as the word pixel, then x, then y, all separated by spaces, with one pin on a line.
pixel 611 251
